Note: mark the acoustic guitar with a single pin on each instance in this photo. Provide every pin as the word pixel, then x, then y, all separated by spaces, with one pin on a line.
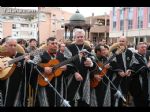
pixel 56 70
pixel 94 82
pixel 7 65
pixel 3 52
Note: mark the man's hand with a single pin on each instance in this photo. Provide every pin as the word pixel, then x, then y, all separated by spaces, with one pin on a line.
pixel 128 72
pixel 107 66
pixel 64 68
pixel 121 73
pixel 78 76
pixel 98 77
pixel 48 70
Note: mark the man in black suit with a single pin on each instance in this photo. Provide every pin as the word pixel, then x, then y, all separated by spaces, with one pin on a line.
pixel 123 71
pixel 139 83
pixel 13 87
pixel 79 88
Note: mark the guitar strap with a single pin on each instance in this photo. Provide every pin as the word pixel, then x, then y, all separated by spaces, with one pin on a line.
pixel 79 50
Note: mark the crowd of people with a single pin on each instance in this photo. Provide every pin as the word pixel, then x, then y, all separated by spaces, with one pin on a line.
pixel 76 74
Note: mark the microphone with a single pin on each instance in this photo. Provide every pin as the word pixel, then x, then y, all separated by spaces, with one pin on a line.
pixel 31 62
pixel 119 95
pixel 85 51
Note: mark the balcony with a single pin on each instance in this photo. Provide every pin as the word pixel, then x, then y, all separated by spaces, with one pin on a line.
pixel 99 29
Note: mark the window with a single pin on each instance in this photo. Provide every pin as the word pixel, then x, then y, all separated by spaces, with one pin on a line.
pixel 140 17
pixel 122 18
pixel 130 17
pixel 94 39
pixel 24 25
pixel 114 11
pixel 114 25
pixel 62 26
pixel 121 24
pixel 121 13
pixel 13 26
pixel 130 23
pixel 0 25
pixel 114 19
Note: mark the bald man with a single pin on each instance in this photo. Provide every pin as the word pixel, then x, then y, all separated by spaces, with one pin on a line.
pixel 123 71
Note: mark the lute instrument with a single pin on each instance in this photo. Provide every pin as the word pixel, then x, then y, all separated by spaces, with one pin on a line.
pixel 7 64
pixel 94 82
pixel 56 70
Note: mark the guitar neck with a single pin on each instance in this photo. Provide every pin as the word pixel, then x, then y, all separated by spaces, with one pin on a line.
pixel 66 61
pixel 16 59
pixel 110 59
pixel 33 53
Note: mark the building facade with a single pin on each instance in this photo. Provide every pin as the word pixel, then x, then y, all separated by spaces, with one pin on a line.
pixel 132 22
pixel 39 23
pixel 17 23
pixel 99 28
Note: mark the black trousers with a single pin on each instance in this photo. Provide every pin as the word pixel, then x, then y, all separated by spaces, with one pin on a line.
pixel 139 92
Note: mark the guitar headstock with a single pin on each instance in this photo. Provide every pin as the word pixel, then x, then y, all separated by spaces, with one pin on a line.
pixel 67 53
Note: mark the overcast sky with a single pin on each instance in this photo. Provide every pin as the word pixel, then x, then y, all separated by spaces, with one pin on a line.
pixel 85 11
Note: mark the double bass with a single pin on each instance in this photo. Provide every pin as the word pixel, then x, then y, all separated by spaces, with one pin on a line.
pixel 94 82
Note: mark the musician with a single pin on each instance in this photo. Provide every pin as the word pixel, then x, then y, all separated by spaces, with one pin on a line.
pixel 139 83
pixel 79 88
pixel 123 71
pixel 14 86
pixel 101 52
pixel 46 96
pixel 63 78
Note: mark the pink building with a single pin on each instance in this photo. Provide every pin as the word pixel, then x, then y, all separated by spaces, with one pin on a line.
pixel 52 23
pixel 132 22
pixel 25 23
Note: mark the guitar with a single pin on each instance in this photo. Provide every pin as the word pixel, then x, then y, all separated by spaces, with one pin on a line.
pixel 7 65
pixel 56 70
pixel 94 82
pixel 3 52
